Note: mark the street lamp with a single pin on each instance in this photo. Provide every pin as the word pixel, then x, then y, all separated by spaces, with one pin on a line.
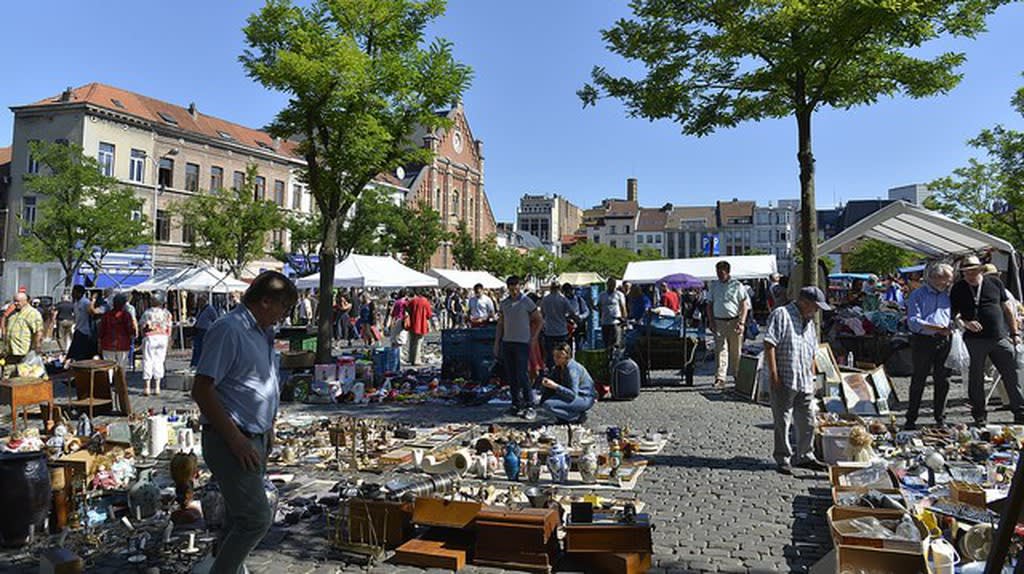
pixel 157 188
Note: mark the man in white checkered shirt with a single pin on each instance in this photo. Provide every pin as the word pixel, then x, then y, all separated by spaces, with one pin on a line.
pixel 790 342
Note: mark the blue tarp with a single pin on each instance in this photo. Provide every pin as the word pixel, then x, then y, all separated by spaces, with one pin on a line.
pixel 115 280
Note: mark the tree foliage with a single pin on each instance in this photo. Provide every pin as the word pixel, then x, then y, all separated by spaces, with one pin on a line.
pixel 467 252
pixel 874 256
pixel 603 259
pixel 82 214
pixel 230 226
pixel 717 63
pixel 360 83
pixel 365 231
pixel 415 231
pixel 988 194
pixel 303 242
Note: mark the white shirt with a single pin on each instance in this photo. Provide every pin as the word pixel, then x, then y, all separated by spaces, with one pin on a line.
pixel 481 308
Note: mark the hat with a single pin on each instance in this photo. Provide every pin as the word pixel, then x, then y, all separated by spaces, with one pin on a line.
pixel 815 295
pixel 970 262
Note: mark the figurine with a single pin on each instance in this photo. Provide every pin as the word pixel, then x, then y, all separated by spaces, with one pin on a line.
pixel 533 468
pixel 615 458
pixel 613 434
pixel 558 463
pixel 512 463
pixel 145 494
pixel 588 465
pixel 84 426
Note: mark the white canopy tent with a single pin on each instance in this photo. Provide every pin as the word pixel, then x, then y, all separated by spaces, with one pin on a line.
pixel 703 268
pixel 202 279
pixel 465 279
pixel 370 271
pixel 580 279
pixel 916 229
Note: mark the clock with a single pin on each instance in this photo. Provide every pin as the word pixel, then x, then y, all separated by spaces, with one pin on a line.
pixel 457 141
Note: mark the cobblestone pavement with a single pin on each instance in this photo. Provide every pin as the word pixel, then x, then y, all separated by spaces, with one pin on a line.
pixel 714 496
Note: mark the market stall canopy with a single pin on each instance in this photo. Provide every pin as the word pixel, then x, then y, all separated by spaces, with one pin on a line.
pixel 916 229
pixel 370 271
pixel 580 279
pixel 465 279
pixel 703 268
pixel 200 279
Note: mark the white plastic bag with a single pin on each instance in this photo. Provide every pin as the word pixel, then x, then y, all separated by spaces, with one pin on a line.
pixel 958 359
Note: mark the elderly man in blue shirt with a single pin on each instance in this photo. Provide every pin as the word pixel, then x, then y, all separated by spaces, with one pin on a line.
pixel 928 315
pixel 236 388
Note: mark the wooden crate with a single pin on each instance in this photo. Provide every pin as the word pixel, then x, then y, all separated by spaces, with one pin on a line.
pixel 609 538
pixel 968 493
pixel 847 538
pixel 517 539
pixel 629 563
pixel 379 522
pixel 429 511
pixel 447 550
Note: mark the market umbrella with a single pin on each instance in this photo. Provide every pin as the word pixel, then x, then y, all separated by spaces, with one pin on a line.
pixel 681 281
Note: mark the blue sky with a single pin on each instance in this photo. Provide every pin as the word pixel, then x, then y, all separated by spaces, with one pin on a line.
pixel 529 58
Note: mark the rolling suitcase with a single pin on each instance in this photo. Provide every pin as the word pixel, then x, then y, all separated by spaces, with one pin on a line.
pixel 625 379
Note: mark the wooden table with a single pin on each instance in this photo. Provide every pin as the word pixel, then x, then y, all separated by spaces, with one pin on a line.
pixel 21 392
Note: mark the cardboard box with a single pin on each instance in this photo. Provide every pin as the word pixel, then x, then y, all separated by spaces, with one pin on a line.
pixel 837 490
pixel 837 471
pixel 879 560
pixel 843 536
pixel 968 493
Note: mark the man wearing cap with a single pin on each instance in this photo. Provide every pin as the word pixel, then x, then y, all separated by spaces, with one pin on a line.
pixel 790 342
pixel 979 303
pixel 928 319
pixel 519 324
pixel 728 303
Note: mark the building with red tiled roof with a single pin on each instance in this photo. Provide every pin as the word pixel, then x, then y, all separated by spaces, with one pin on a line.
pixel 613 222
pixel 650 228
pixel 735 222
pixel 165 153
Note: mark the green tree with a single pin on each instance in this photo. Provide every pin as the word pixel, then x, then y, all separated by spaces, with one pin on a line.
pixel 539 264
pixel 82 215
pixel 500 261
pixel 599 258
pixel 716 63
pixel 364 232
pixel 360 83
pixel 467 252
pixel 416 232
pixel 874 256
pixel 987 195
pixel 304 241
pixel 230 226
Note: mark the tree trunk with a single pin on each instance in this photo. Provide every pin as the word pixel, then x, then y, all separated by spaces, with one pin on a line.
pixel 325 322
pixel 808 209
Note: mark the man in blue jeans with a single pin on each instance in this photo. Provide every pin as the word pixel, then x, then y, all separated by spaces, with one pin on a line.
pixel 519 323
pixel 236 388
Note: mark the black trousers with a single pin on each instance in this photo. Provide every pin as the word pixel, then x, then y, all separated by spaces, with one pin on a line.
pixel 929 356
pixel 549 348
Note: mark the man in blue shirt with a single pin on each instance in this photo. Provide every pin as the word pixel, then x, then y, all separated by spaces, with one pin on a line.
pixel 207 315
pixel 928 315
pixel 236 388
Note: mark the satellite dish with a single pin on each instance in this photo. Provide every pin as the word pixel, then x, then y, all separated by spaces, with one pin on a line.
pixel 400 172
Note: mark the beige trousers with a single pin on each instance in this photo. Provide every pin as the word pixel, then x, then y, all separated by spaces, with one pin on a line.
pixel 728 344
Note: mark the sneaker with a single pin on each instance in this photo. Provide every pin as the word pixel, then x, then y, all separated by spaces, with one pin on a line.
pixel 529 414
pixel 784 469
pixel 812 464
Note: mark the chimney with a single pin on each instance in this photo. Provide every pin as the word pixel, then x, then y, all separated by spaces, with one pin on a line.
pixel 192 110
pixel 65 96
pixel 277 144
pixel 631 189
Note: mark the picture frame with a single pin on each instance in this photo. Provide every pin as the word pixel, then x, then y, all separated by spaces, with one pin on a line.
pixel 832 396
pixel 826 363
pixel 858 394
pixel 883 388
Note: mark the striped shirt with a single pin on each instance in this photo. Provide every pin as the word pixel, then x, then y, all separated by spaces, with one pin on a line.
pixel 795 340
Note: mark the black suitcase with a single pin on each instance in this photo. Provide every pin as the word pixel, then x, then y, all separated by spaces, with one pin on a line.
pixel 625 380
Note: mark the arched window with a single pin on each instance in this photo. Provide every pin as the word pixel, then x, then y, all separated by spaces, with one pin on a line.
pixel 437 199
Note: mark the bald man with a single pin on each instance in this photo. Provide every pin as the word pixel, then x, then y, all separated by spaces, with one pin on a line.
pixel 24 330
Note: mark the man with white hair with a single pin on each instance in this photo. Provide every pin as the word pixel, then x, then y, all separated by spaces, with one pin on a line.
pixel 24 331
pixel 928 315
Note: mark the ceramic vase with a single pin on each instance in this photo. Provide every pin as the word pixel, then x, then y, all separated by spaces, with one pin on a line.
pixel 512 463
pixel 533 468
pixel 558 463
pixel 588 465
